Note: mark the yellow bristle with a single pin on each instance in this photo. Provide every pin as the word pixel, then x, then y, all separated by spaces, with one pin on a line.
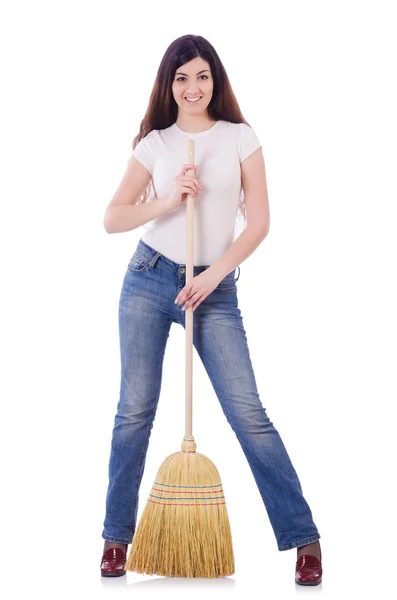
pixel 184 530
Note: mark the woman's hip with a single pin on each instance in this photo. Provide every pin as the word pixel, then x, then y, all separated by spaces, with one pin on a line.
pixel 152 282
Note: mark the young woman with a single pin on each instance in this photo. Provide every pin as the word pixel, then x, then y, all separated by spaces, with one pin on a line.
pixel 192 98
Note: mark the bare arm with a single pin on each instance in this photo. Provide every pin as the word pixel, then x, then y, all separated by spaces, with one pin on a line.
pixel 253 175
pixel 123 213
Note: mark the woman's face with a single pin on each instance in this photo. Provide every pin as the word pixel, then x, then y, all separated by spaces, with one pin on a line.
pixel 193 80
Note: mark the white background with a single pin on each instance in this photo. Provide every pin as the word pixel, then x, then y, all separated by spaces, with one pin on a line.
pixel 316 80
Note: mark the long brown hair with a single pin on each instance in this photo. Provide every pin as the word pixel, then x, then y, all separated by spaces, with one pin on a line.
pixel 162 110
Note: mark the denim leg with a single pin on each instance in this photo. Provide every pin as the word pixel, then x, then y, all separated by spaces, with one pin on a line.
pixel 220 340
pixel 144 330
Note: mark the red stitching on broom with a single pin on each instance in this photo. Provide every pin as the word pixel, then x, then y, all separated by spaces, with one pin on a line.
pixel 193 504
pixel 197 486
pixel 179 491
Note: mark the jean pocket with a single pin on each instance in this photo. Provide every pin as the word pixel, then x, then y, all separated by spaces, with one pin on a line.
pixel 228 282
pixel 139 263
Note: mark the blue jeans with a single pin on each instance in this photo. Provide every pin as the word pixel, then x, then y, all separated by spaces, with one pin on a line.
pixel 146 313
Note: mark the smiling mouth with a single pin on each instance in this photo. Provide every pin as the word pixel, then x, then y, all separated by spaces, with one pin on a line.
pixel 191 101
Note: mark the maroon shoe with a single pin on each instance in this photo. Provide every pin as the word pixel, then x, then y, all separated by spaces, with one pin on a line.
pixel 308 570
pixel 113 562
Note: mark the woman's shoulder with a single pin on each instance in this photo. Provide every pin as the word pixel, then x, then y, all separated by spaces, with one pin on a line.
pixel 240 129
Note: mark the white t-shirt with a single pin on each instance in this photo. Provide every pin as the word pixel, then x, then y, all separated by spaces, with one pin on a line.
pixel 219 151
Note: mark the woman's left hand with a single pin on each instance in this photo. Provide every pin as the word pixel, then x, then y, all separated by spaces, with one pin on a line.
pixel 197 289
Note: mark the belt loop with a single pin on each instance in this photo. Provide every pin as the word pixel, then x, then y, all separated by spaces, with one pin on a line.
pixel 154 259
pixel 238 273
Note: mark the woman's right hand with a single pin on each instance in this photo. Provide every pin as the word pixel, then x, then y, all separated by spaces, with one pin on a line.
pixel 184 184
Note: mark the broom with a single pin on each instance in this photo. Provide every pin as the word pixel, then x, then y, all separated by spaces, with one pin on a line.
pixel 184 530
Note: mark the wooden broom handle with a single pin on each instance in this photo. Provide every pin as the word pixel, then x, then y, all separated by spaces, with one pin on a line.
pixel 189 311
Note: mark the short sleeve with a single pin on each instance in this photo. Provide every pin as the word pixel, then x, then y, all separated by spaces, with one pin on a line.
pixel 145 152
pixel 248 141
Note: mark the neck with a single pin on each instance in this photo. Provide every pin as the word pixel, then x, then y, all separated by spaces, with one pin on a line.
pixel 194 124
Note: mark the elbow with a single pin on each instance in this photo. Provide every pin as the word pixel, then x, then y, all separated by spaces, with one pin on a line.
pixel 266 226
pixel 108 222
pixel 258 231
pixel 106 225
pixel 260 227
pixel 265 229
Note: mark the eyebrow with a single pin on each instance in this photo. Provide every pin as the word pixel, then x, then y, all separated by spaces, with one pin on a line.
pixel 180 73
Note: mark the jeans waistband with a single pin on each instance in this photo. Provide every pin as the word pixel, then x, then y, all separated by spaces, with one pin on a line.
pixel 153 255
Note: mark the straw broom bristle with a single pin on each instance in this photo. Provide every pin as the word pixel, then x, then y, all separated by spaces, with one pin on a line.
pixel 184 529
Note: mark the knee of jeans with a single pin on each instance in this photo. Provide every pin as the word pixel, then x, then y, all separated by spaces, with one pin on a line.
pixel 133 415
pixel 251 421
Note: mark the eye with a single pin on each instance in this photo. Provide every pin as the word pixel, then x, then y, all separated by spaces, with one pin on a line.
pixel 179 78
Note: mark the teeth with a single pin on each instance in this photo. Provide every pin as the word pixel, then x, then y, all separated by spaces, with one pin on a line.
pixel 193 99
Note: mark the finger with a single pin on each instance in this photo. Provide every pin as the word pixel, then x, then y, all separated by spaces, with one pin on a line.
pixel 181 296
pixel 196 305
pixel 191 190
pixel 188 178
pixel 185 295
pixel 184 298
pixel 199 301
pixel 188 167
pixel 185 292
pixel 193 183
pixel 190 300
pixel 193 302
